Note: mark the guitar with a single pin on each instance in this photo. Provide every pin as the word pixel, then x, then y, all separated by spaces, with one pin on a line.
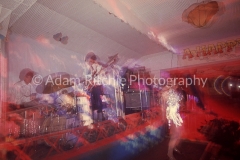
pixel 90 83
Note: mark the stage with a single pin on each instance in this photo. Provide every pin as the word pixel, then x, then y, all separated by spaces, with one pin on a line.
pixel 104 140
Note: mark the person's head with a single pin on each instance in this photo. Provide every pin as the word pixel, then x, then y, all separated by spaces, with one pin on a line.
pixel 26 75
pixel 90 58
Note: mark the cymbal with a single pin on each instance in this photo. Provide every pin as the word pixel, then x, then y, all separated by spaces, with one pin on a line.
pixel 54 82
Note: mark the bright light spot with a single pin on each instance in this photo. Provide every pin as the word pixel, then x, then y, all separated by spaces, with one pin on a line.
pixel 230 85
pixel 151 35
pixel 238 86
pixel 163 41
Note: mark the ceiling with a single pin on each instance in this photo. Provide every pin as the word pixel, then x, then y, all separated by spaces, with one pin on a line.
pixel 132 28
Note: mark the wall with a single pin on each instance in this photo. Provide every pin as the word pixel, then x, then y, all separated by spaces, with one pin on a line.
pixel 227 49
pixel 155 62
pixel 222 50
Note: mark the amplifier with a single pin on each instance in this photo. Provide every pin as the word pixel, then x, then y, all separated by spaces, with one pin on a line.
pixel 137 100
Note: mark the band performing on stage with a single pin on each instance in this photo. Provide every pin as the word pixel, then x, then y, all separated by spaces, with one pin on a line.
pixel 64 111
pixel 62 101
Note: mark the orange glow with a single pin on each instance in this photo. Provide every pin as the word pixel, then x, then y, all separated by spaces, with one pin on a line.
pixel 201 14
pixel 44 41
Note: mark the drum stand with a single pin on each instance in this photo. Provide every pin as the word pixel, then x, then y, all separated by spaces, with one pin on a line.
pixel 75 103
pixel 118 95
pixel 83 112
pixel 30 126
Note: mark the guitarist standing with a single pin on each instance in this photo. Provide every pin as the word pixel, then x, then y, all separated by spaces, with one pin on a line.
pixel 95 89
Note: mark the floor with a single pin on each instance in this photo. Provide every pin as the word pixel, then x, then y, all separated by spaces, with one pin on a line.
pixel 189 151
pixel 194 144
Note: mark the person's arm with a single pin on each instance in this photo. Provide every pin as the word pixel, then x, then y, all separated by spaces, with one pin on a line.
pixel 15 95
pixel 33 95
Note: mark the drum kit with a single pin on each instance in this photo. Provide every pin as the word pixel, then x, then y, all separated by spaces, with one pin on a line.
pixel 63 104
pixel 56 110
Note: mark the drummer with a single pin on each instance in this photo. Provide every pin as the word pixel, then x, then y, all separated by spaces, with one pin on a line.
pixel 23 91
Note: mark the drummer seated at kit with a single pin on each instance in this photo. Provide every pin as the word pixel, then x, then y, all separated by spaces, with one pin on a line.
pixel 23 92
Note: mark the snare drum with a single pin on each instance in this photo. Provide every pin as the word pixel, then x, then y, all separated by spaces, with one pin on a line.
pixel 84 111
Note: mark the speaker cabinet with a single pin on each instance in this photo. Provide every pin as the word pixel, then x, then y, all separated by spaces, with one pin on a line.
pixel 137 100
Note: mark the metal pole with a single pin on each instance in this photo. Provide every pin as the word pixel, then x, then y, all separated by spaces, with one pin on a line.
pixel 145 91
pixel 116 100
pixel 139 87
pixel 121 101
